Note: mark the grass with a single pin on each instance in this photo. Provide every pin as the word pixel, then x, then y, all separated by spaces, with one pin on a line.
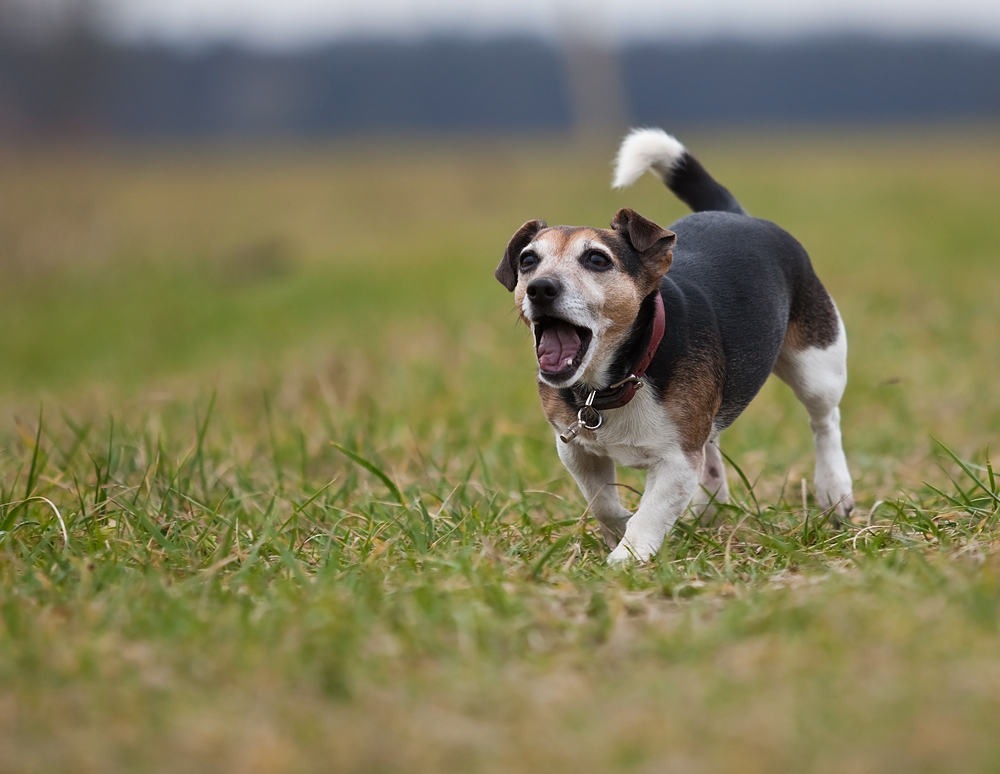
pixel 277 495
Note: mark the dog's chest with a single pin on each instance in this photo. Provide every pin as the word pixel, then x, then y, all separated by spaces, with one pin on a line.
pixel 636 435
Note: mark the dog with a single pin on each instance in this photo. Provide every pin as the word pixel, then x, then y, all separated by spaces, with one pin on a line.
pixel 651 341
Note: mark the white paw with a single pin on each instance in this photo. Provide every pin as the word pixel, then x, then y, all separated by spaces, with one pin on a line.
pixel 620 556
pixel 836 494
pixel 626 552
pixel 844 506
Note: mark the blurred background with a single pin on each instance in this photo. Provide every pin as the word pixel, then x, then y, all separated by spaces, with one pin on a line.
pixel 227 69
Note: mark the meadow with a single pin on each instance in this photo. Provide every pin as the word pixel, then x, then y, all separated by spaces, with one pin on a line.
pixel 276 494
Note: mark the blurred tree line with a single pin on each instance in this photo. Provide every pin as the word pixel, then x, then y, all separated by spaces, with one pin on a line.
pixel 61 78
pixel 51 68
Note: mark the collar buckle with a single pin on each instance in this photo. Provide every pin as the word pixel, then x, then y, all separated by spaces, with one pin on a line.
pixel 631 378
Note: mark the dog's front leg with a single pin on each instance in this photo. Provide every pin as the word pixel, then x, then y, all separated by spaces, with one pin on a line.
pixel 670 485
pixel 595 475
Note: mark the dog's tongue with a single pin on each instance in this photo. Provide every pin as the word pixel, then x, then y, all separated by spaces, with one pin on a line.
pixel 558 345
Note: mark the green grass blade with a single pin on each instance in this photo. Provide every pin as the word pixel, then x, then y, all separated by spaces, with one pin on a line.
pixel 989 491
pixel 373 469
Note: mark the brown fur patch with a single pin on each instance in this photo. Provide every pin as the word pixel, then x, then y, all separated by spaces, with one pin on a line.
pixel 812 320
pixel 622 299
pixel 694 395
pixel 559 237
pixel 555 408
pixel 651 241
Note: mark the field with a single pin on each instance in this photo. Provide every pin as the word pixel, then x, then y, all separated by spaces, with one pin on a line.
pixel 277 495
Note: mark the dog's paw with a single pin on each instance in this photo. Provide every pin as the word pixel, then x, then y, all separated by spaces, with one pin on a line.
pixel 626 553
pixel 833 485
pixel 835 496
pixel 620 556
pixel 842 510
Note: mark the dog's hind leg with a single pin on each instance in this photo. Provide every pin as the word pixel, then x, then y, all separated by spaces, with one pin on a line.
pixel 818 376
pixel 712 488
pixel 595 476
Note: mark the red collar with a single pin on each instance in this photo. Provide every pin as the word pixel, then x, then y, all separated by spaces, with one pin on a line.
pixel 618 395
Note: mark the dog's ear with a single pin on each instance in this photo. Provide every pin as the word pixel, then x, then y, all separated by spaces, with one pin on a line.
pixel 506 272
pixel 652 242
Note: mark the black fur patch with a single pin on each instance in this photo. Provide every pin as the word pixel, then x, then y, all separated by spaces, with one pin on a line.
pixel 812 320
pixel 629 260
pixel 691 183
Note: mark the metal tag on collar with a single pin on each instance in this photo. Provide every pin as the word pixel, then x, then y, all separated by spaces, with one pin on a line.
pixel 630 378
pixel 587 418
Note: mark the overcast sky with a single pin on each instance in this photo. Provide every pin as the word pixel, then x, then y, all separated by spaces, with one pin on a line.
pixel 283 23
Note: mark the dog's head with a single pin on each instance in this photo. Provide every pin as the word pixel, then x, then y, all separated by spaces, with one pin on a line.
pixel 580 290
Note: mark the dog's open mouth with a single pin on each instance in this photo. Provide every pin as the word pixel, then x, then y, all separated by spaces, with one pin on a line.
pixel 560 346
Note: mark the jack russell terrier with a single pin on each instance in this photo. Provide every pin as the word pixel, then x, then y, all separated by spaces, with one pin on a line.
pixel 644 367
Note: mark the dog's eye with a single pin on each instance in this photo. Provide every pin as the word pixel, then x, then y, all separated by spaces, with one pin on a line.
pixel 528 261
pixel 595 259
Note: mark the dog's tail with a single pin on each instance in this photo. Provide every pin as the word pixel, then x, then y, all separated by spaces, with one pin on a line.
pixel 682 173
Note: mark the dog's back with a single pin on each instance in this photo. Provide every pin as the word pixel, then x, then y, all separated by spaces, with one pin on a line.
pixel 734 276
pixel 739 284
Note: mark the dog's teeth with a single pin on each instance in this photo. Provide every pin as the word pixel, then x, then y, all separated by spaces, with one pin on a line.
pixel 569 362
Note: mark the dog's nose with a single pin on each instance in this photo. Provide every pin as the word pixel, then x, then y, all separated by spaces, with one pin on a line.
pixel 543 290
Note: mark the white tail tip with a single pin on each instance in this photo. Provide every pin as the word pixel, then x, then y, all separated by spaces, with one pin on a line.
pixel 646 149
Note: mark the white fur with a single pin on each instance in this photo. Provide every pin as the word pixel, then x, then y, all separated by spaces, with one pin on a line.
pixel 646 149
pixel 670 485
pixel 638 435
pixel 818 378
